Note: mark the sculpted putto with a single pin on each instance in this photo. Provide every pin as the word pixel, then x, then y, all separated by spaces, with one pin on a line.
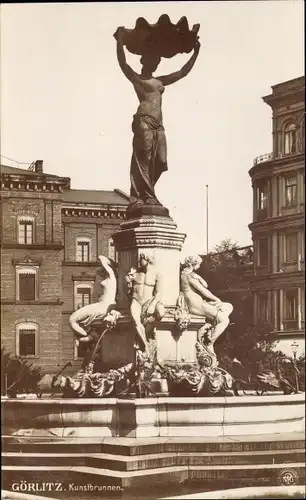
pixel 144 291
pixel 84 316
pixel 200 301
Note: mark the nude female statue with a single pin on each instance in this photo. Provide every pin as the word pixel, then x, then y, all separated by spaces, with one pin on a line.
pixel 83 317
pixel 149 158
pixel 200 301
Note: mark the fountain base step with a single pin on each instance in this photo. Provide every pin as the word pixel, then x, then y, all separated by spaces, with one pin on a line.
pixel 125 467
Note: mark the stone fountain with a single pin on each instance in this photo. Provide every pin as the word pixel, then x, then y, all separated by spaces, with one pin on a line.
pixel 151 370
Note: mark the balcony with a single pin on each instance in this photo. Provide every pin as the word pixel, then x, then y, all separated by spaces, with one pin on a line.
pixel 271 156
pixel 263 158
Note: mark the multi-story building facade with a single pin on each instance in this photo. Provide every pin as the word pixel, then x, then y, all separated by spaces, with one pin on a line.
pixel 51 237
pixel 278 218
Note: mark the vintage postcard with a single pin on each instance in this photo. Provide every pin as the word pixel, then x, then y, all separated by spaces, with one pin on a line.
pixel 152 250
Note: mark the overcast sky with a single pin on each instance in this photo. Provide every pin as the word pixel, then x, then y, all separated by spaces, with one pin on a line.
pixel 64 100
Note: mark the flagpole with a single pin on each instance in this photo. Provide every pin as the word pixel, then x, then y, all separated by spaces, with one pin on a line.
pixel 207 219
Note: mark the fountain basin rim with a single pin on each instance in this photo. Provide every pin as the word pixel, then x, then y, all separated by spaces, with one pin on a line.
pixel 217 401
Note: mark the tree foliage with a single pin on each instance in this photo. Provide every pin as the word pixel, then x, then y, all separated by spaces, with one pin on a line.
pixel 17 375
pixel 228 276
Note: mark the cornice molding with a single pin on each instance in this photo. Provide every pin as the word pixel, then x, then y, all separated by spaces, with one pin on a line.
pixel 23 182
pixel 57 302
pixel 148 232
pixel 83 277
pixel 27 261
pixel 150 222
pixel 280 222
pixel 46 246
pixel 290 334
pixel 277 280
pixel 81 264
pixel 105 213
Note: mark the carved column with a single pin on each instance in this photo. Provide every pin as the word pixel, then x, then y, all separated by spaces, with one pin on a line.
pixel 281 309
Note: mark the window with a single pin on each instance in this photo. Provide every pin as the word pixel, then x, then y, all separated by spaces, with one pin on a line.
pixel 82 296
pixel 82 293
pixel 263 306
pixel 263 245
pixel 26 339
pixel 291 309
pixel 290 138
pixel 262 196
pixel 290 191
pixel 291 249
pixel 25 231
pixel 82 350
pixel 26 279
pixel 262 200
pixel 83 249
pixel 112 254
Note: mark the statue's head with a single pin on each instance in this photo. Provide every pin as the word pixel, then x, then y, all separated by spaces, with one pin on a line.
pixel 193 261
pixel 150 61
pixel 145 259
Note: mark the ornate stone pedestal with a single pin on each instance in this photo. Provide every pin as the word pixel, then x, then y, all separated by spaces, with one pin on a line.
pixel 174 346
pixel 159 237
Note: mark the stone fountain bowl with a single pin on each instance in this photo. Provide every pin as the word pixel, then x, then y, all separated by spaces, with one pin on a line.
pixel 87 418
pixel 162 38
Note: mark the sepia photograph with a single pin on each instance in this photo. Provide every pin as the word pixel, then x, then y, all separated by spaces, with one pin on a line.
pixel 152 250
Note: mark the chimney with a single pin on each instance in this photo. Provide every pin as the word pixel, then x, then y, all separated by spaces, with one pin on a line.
pixel 39 166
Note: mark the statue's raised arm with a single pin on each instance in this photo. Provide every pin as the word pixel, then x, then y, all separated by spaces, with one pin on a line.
pixel 178 75
pixel 126 69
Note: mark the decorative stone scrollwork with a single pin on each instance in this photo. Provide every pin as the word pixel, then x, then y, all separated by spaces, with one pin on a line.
pixel 87 384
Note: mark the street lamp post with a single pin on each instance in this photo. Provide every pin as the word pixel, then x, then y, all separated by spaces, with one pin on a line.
pixel 294 347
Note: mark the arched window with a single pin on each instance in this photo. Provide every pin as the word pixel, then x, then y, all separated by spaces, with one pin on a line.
pixel 26 283
pixel 290 138
pixel 83 249
pixel 26 229
pixel 27 339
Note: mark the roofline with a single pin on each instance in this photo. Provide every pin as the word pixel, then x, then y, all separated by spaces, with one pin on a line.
pixel 277 95
pixel 122 193
pixel 34 175
pixel 288 81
